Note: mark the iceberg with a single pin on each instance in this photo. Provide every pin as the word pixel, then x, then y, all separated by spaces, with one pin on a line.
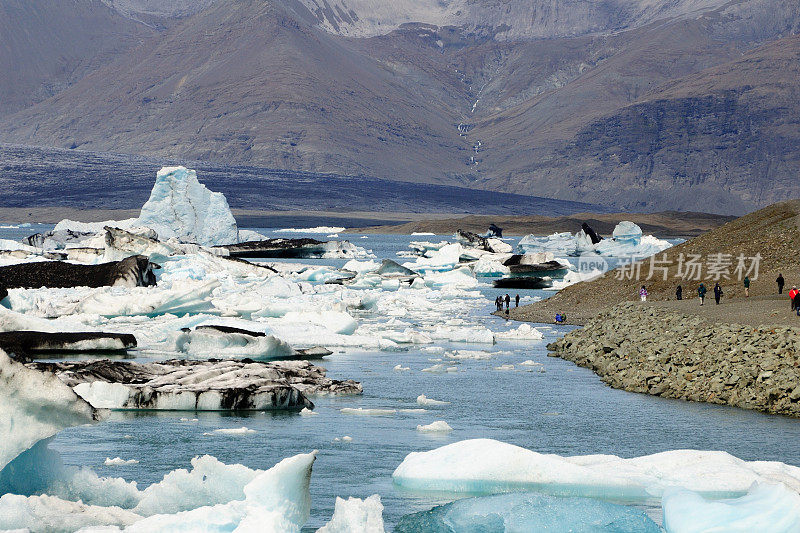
pixel 766 508
pixel 528 512
pixel 354 515
pixel 486 466
pixel 197 385
pixel 35 405
pixel 220 341
pixel 181 207
pixel 440 426
pixel 627 240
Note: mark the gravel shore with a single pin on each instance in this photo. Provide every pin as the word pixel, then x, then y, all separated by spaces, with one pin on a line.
pixel 659 350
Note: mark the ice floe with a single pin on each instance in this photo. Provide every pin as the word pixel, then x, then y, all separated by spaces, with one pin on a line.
pixel 424 400
pixel 440 426
pixel 489 466
pixel 355 515
pixel 196 385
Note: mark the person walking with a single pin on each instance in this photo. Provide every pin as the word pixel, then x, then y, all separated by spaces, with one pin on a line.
pixel 793 296
pixel 516 301
pixel 679 293
pixel 781 282
pixel 717 292
pixel 701 292
pixel 747 286
pixel 508 302
pixel 643 294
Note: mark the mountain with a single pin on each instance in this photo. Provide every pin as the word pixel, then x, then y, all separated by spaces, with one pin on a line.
pixel 635 104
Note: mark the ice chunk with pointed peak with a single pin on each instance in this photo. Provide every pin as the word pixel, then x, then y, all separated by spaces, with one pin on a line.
pixel 181 207
pixel 766 508
pixel 356 516
pixel 524 512
pixel 487 466
pixel 35 405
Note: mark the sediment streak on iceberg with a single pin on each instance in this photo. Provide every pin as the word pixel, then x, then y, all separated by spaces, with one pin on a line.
pixel 197 385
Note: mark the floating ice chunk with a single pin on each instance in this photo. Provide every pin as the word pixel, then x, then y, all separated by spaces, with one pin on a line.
pixel 523 332
pixel 318 229
pixel 400 368
pixel 305 411
pixel 766 508
pixel 334 321
pixel 118 461
pixel 54 515
pixel 424 400
pixel 438 260
pixel 476 355
pixel 35 405
pixel 528 512
pixel 367 412
pixel 275 500
pixel 530 363
pixel 246 235
pixel 460 278
pixel 487 466
pixel 181 207
pixel 205 342
pixel 232 431
pixel 361 266
pixel 421 233
pixel 572 277
pixel 356 516
pixel 440 426
pixel 486 266
pixel 504 368
pixel 627 232
pixel 440 369
pixel 433 349
pixel 472 335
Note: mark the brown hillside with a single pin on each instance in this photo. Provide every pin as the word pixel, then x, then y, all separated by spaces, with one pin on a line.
pixel 772 232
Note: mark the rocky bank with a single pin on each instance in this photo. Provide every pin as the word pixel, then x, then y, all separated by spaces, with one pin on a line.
pixel 666 353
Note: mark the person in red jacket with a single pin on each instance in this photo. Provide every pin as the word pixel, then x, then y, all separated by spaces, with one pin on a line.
pixel 792 295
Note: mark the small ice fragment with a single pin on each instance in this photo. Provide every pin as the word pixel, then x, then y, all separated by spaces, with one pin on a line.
pixel 307 412
pixel 232 431
pixel 401 368
pixel 440 368
pixel 118 461
pixel 440 426
pixel 504 367
pixel 424 400
pixel 367 412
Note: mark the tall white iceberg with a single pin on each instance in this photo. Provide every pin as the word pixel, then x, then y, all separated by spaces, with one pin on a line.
pixel 183 208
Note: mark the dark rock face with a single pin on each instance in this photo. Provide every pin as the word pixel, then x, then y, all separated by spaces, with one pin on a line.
pixel 134 271
pixel 22 344
pixel 664 353
pixel 522 283
pixel 3 292
pixel 587 229
pixel 277 248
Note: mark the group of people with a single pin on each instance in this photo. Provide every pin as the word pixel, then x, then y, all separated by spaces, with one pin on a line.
pixel 500 300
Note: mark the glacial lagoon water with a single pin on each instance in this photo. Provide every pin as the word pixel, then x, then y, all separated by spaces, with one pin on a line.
pixel 564 410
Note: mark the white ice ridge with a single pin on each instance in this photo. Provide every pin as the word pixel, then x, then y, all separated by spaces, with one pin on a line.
pixel 488 466
pixel 183 208
pixel 35 406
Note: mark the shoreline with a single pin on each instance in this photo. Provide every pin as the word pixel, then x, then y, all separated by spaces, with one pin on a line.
pixel 661 351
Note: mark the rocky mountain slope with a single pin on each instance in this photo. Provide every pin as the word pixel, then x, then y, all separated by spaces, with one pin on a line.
pixel 639 105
